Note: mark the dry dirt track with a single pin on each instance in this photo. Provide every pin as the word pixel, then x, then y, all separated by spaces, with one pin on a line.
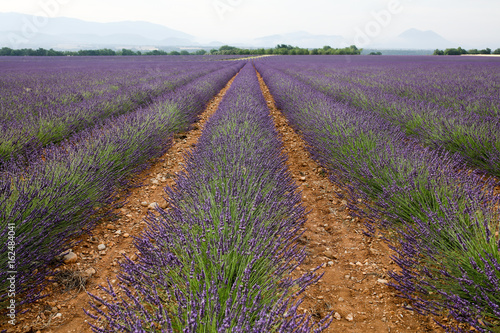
pixel 354 264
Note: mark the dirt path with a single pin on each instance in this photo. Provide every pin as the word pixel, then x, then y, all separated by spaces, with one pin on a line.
pixel 62 312
pixel 354 265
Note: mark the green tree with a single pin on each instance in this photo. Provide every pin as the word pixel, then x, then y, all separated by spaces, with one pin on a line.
pixel 452 51
pixel 5 51
pixel 127 52
pixel 284 46
pixel 226 49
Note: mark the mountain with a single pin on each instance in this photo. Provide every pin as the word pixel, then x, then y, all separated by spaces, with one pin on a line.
pixel 302 39
pixel 416 39
pixel 27 31
pixel 215 43
pixel 40 32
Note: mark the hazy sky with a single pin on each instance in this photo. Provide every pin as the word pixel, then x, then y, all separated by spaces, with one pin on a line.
pixel 471 23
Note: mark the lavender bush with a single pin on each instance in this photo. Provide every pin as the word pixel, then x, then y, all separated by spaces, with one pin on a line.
pixel 219 260
pixel 49 103
pixel 452 104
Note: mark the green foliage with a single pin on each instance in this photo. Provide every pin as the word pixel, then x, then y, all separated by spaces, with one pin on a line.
pixel 156 52
pixel 457 51
pixel 227 48
pixel 280 49
pixel 460 51
pixel 476 51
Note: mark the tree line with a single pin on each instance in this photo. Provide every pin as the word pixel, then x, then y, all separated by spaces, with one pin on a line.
pixel 281 49
pixel 460 51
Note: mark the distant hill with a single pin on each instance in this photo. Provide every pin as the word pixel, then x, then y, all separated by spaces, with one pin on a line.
pixel 415 39
pixel 300 38
pixel 418 39
pixel 62 30
pixel 71 34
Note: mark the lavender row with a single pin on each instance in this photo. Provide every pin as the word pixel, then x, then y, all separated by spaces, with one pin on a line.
pixel 62 196
pixel 39 106
pixel 439 218
pixel 466 85
pixel 453 105
pixel 219 259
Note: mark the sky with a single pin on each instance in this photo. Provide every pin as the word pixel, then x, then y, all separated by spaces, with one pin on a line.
pixel 472 23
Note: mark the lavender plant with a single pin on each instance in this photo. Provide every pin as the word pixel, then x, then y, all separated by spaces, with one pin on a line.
pixel 439 217
pixel 220 259
pixel 44 105
pixel 62 195
pixel 453 105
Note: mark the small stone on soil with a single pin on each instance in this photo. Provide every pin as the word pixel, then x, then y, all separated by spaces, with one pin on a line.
pixel 70 258
pixel 329 254
pixel 101 247
pixel 89 272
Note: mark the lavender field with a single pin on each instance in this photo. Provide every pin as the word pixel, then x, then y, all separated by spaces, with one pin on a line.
pixel 414 142
pixel 53 194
